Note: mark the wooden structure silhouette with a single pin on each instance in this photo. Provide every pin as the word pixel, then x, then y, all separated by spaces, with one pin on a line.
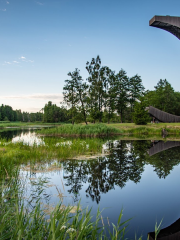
pixel 162 116
pixel 162 146
pixel 167 23
pixel 171 232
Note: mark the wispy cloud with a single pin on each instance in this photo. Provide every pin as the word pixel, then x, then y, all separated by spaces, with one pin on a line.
pixel 7 2
pixel 40 3
pixel 24 59
pixel 21 60
pixel 39 96
pixel 3 9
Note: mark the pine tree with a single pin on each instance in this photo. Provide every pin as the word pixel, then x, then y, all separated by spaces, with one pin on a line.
pixel 140 115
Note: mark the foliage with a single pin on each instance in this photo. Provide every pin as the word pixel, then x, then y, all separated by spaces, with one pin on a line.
pixel 53 114
pixel 104 91
pixel 14 154
pixel 20 222
pixel 102 97
pixel 121 92
pixel 96 80
pixel 8 114
pixel 92 130
pixel 75 94
pixel 136 90
pixel 164 98
pixel 140 115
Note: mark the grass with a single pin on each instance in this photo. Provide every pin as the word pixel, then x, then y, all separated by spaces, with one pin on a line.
pixel 149 129
pixel 18 221
pixel 14 154
pixel 90 130
pixel 97 130
pixel 4 124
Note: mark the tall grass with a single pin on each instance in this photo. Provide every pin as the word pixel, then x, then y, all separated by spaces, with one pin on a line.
pixel 144 131
pixel 96 130
pixel 148 130
pixel 4 124
pixel 17 221
pixel 14 154
pixel 91 130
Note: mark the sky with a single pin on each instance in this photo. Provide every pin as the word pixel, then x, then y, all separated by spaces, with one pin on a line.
pixel 41 41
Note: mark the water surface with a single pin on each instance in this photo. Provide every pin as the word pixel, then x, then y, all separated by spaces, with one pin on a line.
pixel 142 177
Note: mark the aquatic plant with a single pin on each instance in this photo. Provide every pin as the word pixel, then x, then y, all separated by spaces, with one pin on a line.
pixel 14 154
pixel 4 124
pixel 90 130
pixel 148 130
pixel 17 221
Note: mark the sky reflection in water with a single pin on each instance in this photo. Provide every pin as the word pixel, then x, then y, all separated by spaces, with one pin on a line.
pixel 131 177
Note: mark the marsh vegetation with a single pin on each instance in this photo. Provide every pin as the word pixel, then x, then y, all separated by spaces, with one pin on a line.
pixel 54 174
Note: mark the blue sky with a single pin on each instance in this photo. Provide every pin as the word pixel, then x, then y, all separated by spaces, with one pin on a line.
pixel 41 41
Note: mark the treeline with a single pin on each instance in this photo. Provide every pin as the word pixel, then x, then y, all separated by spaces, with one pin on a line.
pixel 104 96
pixel 164 98
pixel 8 114
pixel 104 91
pixel 53 113
pixel 108 96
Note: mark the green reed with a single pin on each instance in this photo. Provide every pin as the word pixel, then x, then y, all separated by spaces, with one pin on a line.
pixel 18 221
pixel 14 154
pixel 91 130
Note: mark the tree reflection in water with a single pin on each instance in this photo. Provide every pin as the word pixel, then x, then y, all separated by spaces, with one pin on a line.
pixel 125 162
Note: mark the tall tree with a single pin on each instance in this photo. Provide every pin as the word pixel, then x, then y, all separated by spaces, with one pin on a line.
pixel 121 92
pixel 96 80
pixel 75 93
pixel 136 90
pixel 140 115
pixel 70 94
pixel 165 98
pixel 109 92
pixel 81 89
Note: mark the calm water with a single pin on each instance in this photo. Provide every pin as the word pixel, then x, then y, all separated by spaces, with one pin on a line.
pixel 142 177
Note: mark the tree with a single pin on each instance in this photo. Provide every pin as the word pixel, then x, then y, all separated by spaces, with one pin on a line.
pixel 97 80
pixel 140 115
pixel 136 90
pixel 177 109
pixel 6 112
pixel 81 89
pixel 109 93
pixel 165 97
pixel 75 93
pixel 19 115
pixel 121 88
pixel 53 113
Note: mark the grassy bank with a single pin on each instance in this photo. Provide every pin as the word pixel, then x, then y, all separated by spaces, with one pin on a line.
pixel 14 154
pixel 149 129
pixel 21 221
pixel 97 130
pixel 5 124
pixel 90 130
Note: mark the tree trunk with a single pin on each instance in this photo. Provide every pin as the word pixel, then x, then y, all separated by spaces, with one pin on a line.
pixel 121 117
pixel 85 117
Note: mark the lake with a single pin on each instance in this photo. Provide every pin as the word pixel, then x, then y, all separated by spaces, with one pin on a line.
pixel 140 176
